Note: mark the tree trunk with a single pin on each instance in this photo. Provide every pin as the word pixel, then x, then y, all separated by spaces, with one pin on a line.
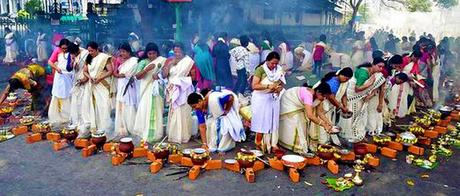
pixel 147 21
pixel 355 6
pixel 352 21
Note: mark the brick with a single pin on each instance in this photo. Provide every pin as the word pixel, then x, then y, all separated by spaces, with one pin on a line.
pixel 232 167
pixel 258 165
pixel 444 123
pixel 332 167
pixel 140 152
pixel 416 150
pixel 59 145
pixel 373 161
pixel 440 130
pixel 118 159
pixel 156 166
pixel 250 175
pixel 20 130
pixel 175 158
pixel 431 134
pixel 425 142
pixel 388 152
pixel 35 128
pixel 455 116
pixel 108 147
pixel 313 161
pixel 371 148
pixel 348 157
pixel 81 143
pixel 214 164
pixel 88 151
pixel 53 136
pixel 395 146
pixel 186 161
pixel 194 173
pixel 32 138
pixel 276 164
pixel 294 175
pixel 151 156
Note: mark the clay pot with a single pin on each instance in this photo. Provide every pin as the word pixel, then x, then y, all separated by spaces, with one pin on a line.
pixel 360 149
pixel 279 153
pixel 98 138
pixel 126 145
pixel 294 161
pixel 246 163
pixel 199 161
pixel 326 155
pixel 161 152
pixel 99 141
pixel 71 136
pixel 445 112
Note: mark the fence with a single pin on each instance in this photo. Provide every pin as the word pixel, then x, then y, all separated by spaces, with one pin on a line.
pixel 26 30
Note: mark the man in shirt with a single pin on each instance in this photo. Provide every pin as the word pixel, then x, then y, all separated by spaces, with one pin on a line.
pixel 241 56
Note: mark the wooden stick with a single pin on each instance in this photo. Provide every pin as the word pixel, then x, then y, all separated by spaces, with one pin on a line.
pixel 158 144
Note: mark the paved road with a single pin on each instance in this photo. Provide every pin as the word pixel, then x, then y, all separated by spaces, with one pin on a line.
pixel 35 169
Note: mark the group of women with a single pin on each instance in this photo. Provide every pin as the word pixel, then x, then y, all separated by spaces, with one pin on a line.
pixel 89 85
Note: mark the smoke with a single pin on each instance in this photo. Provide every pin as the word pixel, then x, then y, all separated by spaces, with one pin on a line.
pixel 439 22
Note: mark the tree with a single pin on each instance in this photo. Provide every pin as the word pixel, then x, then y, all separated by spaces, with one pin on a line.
pixel 418 5
pixel 446 3
pixel 33 6
pixel 409 5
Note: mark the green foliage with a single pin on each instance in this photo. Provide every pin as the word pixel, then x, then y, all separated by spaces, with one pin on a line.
pixel 23 14
pixel 364 12
pixel 446 3
pixel 418 5
pixel 33 6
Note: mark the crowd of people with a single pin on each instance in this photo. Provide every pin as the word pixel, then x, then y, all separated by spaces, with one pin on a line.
pixel 364 89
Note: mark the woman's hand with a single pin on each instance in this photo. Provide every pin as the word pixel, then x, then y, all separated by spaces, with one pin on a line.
pixel 95 80
pixel 344 109
pixel 380 108
pixel 120 75
pixel 327 127
pixel 58 70
pixel 150 67
pixel 155 77
pixel 82 81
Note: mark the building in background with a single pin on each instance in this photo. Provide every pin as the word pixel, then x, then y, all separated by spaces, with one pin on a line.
pixel 11 6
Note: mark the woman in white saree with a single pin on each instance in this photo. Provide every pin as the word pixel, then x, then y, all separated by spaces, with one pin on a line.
pixel 59 109
pixel 11 47
pixel 287 58
pixel 398 92
pixel 376 103
pixel 42 51
pixel 267 83
pixel 79 56
pixel 338 82
pixel 357 57
pixel 149 117
pixel 223 127
pixel 298 113
pixel 126 100
pixel 179 72
pixel 360 89
pixel 96 105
